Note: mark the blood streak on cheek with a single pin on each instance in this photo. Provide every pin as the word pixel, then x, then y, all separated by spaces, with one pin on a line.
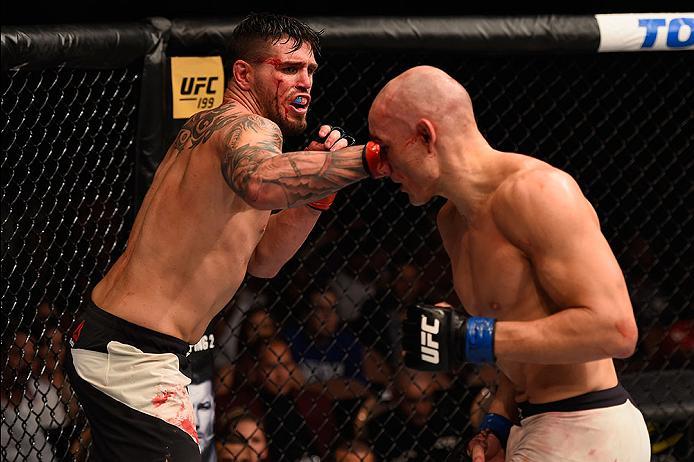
pixel 411 141
pixel 279 102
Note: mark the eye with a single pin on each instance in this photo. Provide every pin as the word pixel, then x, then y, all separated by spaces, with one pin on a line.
pixel 290 69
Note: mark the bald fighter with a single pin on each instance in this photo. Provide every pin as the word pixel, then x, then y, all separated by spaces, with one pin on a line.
pixel 204 223
pixel 548 301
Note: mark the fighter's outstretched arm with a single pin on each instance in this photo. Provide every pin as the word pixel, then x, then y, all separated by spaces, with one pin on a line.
pixel 287 230
pixel 254 166
pixel 546 216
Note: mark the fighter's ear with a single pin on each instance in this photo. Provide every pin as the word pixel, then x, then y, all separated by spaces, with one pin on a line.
pixel 242 73
pixel 427 133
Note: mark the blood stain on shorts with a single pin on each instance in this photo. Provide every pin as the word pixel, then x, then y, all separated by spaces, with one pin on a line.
pixel 177 409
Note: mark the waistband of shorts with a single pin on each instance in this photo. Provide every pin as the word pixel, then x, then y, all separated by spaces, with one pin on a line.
pixel 592 400
pixel 148 340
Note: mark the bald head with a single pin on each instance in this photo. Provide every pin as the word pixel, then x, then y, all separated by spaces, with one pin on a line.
pixel 424 92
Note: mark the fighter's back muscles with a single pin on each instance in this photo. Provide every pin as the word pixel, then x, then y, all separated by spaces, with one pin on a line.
pixel 544 214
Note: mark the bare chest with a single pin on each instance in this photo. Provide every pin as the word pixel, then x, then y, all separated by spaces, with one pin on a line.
pixel 490 275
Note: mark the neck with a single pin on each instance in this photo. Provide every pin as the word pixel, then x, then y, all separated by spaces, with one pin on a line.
pixel 471 178
pixel 244 98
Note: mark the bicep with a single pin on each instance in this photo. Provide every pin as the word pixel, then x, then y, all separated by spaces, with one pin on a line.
pixel 248 144
pixel 579 269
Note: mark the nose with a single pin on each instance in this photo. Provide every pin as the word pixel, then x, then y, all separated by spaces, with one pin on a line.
pixel 305 80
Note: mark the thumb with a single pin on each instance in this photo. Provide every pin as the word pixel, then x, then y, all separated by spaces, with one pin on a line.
pixel 477 453
pixel 324 130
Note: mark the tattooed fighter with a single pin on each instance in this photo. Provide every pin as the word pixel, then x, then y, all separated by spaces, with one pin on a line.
pixel 204 223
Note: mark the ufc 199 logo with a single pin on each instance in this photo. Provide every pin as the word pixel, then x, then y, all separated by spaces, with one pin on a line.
pixel 192 86
pixel 430 347
pixel 197 84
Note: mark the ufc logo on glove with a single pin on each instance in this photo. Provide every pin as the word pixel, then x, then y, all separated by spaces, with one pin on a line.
pixel 430 347
pixel 436 339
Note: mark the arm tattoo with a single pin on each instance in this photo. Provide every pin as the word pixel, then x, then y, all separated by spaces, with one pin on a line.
pixel 259 171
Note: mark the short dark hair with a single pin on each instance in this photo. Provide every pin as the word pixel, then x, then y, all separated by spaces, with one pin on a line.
pixel 257 28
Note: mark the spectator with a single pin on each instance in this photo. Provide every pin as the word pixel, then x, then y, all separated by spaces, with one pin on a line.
pixel 332 358
pixel 229 333
pixel 353 451
pixel 329 355
pixel 281 380
pixel 260 327
pixel 60 404
pixel 237 357
pixel 243 440
pixel 27 404
pixel 79 447
pixel 380 325
pixel 257 327
pixel 411 430
pixel 350 287
pixel 48 315
pixel 299 423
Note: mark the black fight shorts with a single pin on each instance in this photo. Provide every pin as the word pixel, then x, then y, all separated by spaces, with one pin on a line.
pixel 130 383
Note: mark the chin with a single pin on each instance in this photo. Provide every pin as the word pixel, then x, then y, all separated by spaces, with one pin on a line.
pixel 421 197
pixel 416 201
pixel 293 127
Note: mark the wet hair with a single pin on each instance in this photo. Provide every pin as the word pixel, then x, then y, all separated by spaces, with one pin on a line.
pixel 256 30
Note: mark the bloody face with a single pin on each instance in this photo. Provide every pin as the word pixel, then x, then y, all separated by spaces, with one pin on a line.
pixel 410 167
pixel 283 81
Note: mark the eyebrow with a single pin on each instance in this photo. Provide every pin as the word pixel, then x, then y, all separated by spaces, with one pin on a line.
pixel 281 62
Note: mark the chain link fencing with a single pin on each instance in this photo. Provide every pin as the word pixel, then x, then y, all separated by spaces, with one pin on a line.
pixel 311 357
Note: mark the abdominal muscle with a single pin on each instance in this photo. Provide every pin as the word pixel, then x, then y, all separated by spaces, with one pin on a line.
pixel 539 383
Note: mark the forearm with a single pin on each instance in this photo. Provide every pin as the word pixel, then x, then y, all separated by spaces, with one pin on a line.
pixel 573 335
pixel 295 178
pixel 286 231
pixel 437 339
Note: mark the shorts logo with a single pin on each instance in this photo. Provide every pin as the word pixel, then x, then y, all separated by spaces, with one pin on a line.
pixel 206 342
pixel 430 347
pixel 76 333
